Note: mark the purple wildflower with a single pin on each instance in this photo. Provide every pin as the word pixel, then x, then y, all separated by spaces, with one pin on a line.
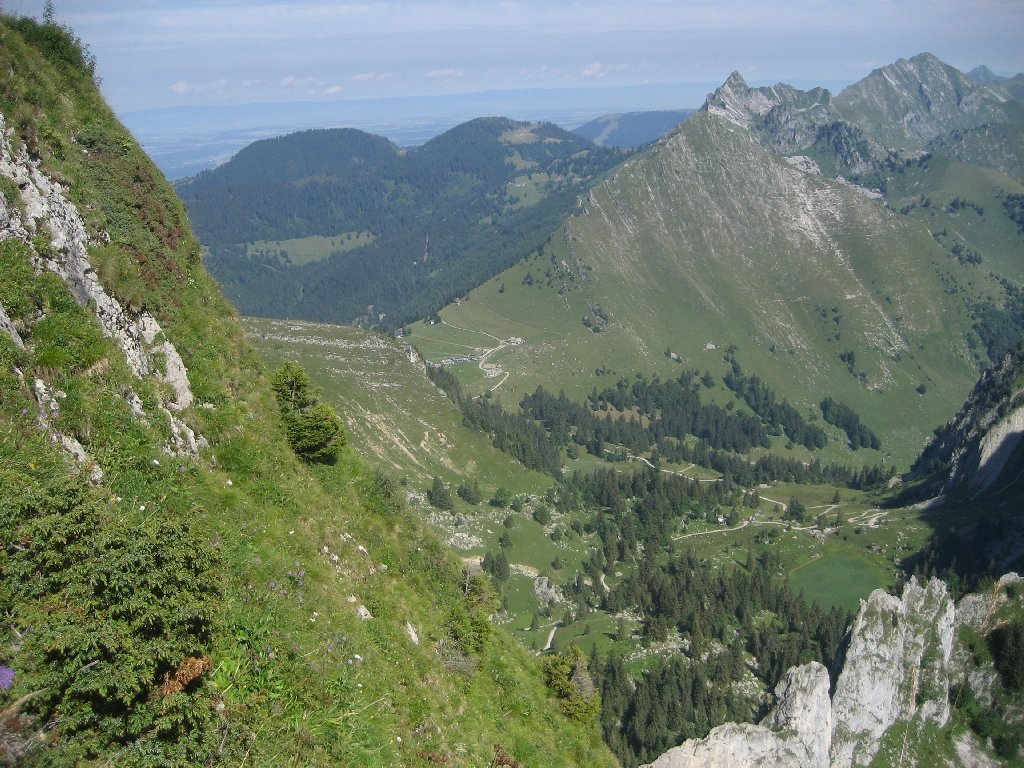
pixel 272 585
pixel 6 677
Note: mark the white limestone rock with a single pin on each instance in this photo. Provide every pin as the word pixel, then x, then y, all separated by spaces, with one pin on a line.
pixel 49 409
pixel 140 337
pixel 796 733
pixel 899 652
pixel 8 326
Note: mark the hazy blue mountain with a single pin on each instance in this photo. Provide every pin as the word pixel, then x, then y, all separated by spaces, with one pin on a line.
pixel 982 75
pixel 632 129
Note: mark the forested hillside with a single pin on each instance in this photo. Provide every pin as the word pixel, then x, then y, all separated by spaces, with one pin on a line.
pixel 194 569
pixel 444 217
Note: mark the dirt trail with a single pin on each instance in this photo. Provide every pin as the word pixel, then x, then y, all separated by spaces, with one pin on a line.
pixel 744 524
pixel 500 382
pixel 468 330
pixel 551 638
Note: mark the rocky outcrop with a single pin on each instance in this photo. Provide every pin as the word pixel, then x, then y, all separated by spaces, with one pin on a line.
pixel 977 442
pixel 46 211
pixel 787 120
pixel 49 408
pixel 896 669
pixel 8 327
pixel 784 119
pixel 796 733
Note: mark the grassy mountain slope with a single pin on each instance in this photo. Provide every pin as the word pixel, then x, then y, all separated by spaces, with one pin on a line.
pixel 995 145
pixel 188 606
pixel 444 216
pixel 395 413
pixel 708 239
pixel 963 206
pixel 631 129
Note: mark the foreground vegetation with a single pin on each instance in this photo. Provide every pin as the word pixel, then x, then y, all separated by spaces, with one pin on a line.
pixel 247 605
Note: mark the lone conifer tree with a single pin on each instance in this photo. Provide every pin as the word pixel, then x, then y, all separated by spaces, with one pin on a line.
pixel 314 429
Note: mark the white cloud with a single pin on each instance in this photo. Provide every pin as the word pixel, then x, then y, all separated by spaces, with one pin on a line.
pixel 444 73
pixel 333 89
pixel 182 86
pixel 215 84
pixel 593 70
pixel 362 76
pixel 290 80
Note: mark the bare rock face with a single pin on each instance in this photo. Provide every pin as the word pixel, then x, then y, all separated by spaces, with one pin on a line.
pixel 8 327
pixel 48 212
pixel 978 441
pixel 898 655
pixel 897 669
pixel 796 733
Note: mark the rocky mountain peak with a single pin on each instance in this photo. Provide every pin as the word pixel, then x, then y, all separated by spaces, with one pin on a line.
pixel 914 100
pixel 982 75
pixel 736 80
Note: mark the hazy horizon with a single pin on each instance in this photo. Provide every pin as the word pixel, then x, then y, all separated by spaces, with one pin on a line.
pixel 164 53
pixel 196 80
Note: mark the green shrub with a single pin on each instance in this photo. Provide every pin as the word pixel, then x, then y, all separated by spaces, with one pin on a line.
pixel 566 674
pixel 102 612
pixel 314 429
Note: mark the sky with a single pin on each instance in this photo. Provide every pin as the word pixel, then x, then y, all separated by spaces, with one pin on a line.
pixel 186 53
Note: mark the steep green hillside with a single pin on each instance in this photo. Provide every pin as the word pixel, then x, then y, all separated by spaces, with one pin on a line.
pixel 443 217
pixel 994 145
pixel 631 129
pixel 968 209
pixel 708 241
pixel 178 588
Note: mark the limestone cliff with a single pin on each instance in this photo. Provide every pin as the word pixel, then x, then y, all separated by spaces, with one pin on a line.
pixel 796 733
pixel 977 443
pixel 897 669
pixel 45 211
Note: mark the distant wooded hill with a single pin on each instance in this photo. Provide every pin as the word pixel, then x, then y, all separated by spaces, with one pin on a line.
pixel 632 129
pixel 445 216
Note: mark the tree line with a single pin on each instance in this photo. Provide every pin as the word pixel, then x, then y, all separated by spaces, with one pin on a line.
pixel 734 624
pixel 664 416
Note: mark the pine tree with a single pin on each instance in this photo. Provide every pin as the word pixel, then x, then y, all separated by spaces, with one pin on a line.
pixel 314 429
pixel 500 567
pixel 439 496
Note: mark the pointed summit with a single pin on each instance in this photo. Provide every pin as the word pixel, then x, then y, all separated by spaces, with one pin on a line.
pixel 982 75
pixel 736 80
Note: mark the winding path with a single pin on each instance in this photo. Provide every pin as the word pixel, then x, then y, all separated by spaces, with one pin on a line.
pixel 551 638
